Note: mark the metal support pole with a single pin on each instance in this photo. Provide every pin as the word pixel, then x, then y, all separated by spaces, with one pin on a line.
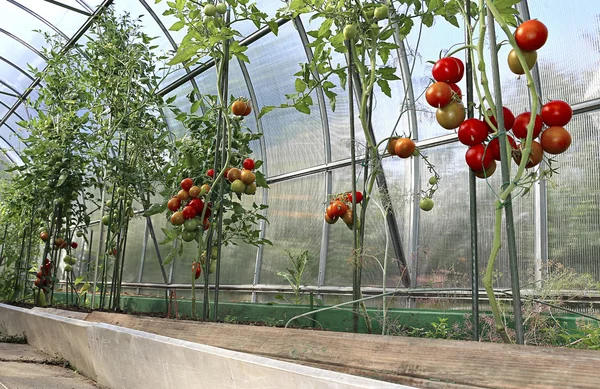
pixel 355 244
pixel 415 173
pixel 472 189
pixel 326 149
pixel 510 224
pixel 143 258
pixel 225 89
pixel 540 193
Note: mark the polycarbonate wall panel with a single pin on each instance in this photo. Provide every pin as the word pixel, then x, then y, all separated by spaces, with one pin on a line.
pixel 152 271
pixel 444 232
pixel 570 59
pixel 294 140
pixel 135 239
pixel 295 224
pixel 574 198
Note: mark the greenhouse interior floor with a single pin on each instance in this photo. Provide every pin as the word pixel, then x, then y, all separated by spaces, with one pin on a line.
pixel 24 367
pixel 119 345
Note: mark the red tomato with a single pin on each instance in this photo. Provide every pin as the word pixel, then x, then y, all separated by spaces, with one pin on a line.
pixel 447 70
pixel 330 211
pixel 186 184
pixel 338 209
pixel 456 90
pixel 405 147
pixel 197 269
pixel 531 35
pixel 461 66
pixel 509 119
pixel 472 132
pixel 189 212
pixel 211 173
pixel 439 95
pixel 478 158
pixel 555 140
pixel 494 147
pixel 206 224
pixel 535 156
pixel 174 204
pixel 557 113
pixel 248 164
pixel 197 204
pixel 74 245
pixel 359 197
pixel 521 122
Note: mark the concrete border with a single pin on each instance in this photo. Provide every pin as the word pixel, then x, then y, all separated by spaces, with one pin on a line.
pixel 121 358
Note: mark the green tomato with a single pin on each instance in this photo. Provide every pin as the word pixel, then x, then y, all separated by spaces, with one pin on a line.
pixel 374 31
pixel 114 228
pixel 188 236
pixel 214 252
pixel 130 212
pixel 350 32
pixel 213 266
pixel 221 8
pixel 210 10
pixel 59 201
pixel 433 180
pixel 105 219
pixel 382 12
pixel 108 204
pixel 330 8
pixel 207 19
pixel 238 186
pixel 426 204
pixel 191 225
pixel 68 268
pixel 369 13
pixel 250 189
pixel 79 234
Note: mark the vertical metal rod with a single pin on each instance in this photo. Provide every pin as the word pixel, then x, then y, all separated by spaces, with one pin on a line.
pixel 540 193
pixel 355 246
pixel 225 89
pixel 89 259
pixel 99 252
pixel 326 149
pixel 510 223
pixel 143 258
pixel 472 189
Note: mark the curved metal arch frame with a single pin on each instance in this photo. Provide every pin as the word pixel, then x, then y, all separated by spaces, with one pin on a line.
pixel 38 17
pixel 17 67
pixel 171 41
pixel 22 42
pixel 12 148
pixel 80 32
pixel 7 85
pixel 265 193
pixel 70 8
pixel 327 151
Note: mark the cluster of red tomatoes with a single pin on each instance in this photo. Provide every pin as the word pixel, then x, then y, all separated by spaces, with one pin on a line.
pixel 444 94
pixel 44 279
pixel 187 206
pixel 241 107
pixel 555 139
pixel 339 207
pixel 58 242
pixel 530 37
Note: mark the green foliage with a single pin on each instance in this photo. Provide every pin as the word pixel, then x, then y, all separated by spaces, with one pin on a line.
pixel 294 276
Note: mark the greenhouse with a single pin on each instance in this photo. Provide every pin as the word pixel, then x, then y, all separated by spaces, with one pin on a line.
pixel 299 194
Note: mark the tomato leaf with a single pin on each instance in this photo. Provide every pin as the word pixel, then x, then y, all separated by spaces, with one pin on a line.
pixel 155 209
pixel 385 87
pixel 177 26
pixel 265 110
pixel 300 85
pixel 261 180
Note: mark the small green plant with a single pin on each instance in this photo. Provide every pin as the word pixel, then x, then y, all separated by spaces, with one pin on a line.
pixel 294 276
pixel 230 319
pixel 441 330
